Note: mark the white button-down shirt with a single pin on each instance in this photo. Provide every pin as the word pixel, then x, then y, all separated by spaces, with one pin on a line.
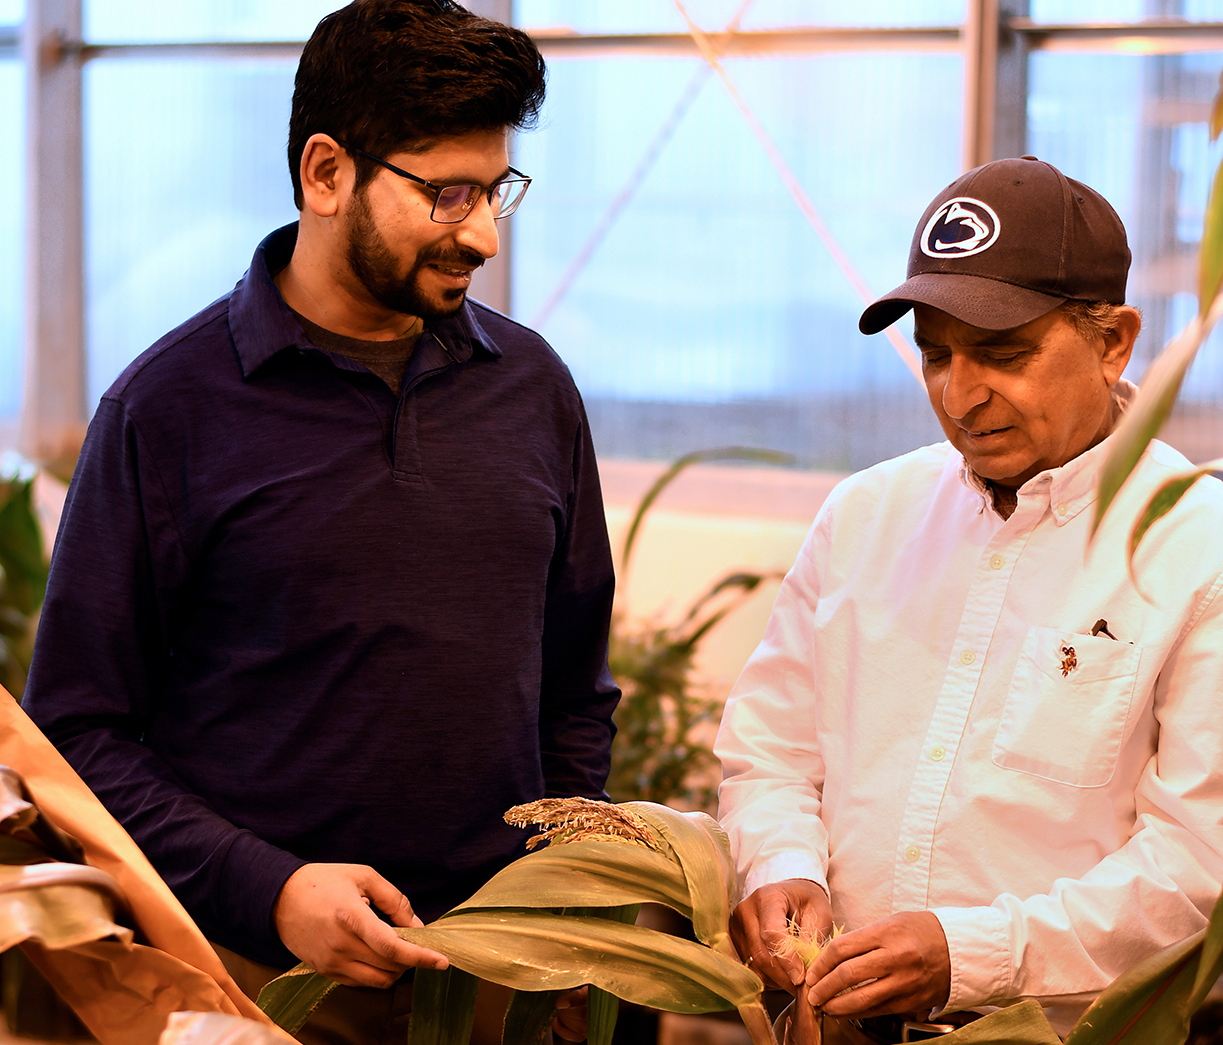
pixel 930 724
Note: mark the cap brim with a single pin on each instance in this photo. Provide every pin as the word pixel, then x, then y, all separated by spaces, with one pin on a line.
pixel 976 300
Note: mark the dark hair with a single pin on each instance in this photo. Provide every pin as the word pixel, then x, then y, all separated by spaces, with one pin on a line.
pixel 395 75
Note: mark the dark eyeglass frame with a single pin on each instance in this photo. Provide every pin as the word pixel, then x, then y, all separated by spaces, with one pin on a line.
pixel 518 178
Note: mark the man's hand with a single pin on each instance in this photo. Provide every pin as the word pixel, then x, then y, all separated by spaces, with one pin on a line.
pixel 323 916
pixel 571 1015
pixel 904 956
pixel 762 918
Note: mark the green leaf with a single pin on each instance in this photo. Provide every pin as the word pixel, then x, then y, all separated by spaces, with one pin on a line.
pixel 1148 1004
pixel 1210 253
pixel 443 1007
pixel 21 552
pixel 290 999
pixel 602 1009
pixel 528 1017
pixel 1165 499
pixel 1216 112
pixel 1146 414
pixel 1022 1024
pixel 592 872
pixel 1210 965
pixel 703 850
pixel 534 950
pixel 724 453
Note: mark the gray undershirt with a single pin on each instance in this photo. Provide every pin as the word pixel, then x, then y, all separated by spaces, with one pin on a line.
pixel 387 359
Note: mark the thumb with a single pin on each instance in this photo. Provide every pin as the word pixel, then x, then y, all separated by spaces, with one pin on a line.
pixel 389 900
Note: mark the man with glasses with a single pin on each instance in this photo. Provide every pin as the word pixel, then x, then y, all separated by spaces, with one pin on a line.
pixel 333 585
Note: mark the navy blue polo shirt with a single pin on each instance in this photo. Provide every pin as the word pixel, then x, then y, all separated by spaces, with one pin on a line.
pixel 294 617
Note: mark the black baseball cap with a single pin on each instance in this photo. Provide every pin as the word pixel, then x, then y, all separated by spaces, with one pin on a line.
pixel 1006 243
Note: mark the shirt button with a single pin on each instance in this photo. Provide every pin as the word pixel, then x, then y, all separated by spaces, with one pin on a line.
pixel 938 754
pixel 997 562
pixel 1061 509
pixel 912 854
pixel 967 657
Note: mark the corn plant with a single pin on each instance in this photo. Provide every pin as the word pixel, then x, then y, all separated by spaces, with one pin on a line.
pixel 562 916
pixel 1161 385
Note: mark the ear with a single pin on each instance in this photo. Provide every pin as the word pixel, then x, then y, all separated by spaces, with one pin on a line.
pixel 327 175
pixel 1119 343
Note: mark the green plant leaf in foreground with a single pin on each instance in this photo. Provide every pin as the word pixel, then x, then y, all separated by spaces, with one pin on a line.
pixel 1150 408
pixel 1022 1024
pixel 1210 253
pixel 536 950
pixel 443 1007
pixel 290 999
pixel 528 1017
pixel 1165 500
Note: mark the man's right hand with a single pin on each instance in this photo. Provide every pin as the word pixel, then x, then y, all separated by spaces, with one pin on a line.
pixel 762 919
pixel 323 916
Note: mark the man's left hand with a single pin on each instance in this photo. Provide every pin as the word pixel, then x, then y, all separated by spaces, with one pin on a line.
pixel 905 957
pixel 571 1015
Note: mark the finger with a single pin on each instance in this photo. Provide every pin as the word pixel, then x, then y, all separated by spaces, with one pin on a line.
pixel 877 998
pixel 842 949
pixel 389 900
pixel 849 974
pixel 384 943
pixel 750 942
pixel 354 973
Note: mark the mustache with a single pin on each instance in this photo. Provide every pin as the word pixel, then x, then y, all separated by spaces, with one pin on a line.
pixel 450 255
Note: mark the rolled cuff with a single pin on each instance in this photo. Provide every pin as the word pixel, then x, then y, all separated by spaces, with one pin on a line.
pixel 779 868
pixel 979 945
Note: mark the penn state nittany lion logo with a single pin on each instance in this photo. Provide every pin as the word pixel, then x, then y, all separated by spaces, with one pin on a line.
pixel 960 228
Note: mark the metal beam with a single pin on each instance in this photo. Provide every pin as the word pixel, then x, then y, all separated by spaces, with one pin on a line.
pixel 980 43
pixel 53 404
pixel 1154 36
pixel 493 282
pixel 1011 83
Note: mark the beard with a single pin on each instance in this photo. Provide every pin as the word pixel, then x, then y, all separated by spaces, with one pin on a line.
pixel 375 265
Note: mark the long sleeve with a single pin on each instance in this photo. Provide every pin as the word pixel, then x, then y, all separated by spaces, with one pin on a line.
pixel 773 773
pixel 116 588
pixel 578 693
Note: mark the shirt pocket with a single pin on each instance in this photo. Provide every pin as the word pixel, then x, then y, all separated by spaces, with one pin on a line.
pixel 1067 713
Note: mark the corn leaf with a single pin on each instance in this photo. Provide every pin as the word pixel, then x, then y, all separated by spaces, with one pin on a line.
pixel 602 1010
pixel 603 1007
pixel 1165 499
pixel 1216 112
pixel 703 851
pixel 535 950
pixel 1145 1005
pixel 1210 253
pixel 1210 964
pixel 290 999
pixel 528 1017
pixel 1146 414
pixel 1022 1024
pixel 592 872
pixel 443 1007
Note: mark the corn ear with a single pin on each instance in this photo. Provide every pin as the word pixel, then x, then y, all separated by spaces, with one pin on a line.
pixel 443 1007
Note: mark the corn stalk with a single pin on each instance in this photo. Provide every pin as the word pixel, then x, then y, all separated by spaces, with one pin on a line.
pixel 556 919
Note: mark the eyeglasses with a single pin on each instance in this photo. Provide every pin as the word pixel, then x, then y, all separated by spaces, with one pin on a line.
pixel 452 203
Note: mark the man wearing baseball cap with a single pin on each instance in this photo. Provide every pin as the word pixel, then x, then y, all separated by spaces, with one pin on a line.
pixel 970 736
